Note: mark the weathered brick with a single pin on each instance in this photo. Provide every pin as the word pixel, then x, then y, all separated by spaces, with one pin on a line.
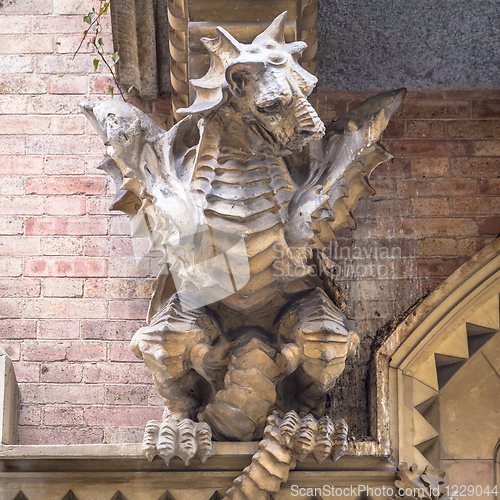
pixel 395 129
pixel 424 227
pixel 117 373
pixel 438 267
pixel 10 64
pixel 120 225
pixel 425 109
pixel 26 84
pixel 28 7
pixel 471 206
pixel 490 187
pixel 487 148
pixel 51 64
pixel 115 246
pixel 62 287
pixel 11 266
pixel 428 147
pixel 62 144
pixel 120 435
pixel 66 308
pixel 473 129
pixel 71 267
pixel 489 226
pixel 475 167
pixel 61 84
pixel 67 165
pixel 15 24
pixel 49 104
pixel 30 415
pixel 65 185
pixel 437 247
pixel 58 329
pixel 69 125
pixel 467 247
pixel 60 435
pixel 10 186
pixel 12 145
pixel 430 167
pixel 61 373
pixel 17 329
pixel 100 205
pixel 397 167
pixel 24 125
pixel 121 416
pixel 13 104
pixel 11 226
pixel 64 416
pixel 59 24
pixel 421 129
pixel 110 330
pixel 118 288
pixel 128 309
pixel 121 351
pixel 19 287
pixel 372 208
pixel 26 44
pixel 22 205
pixel 27 372
pixel 437 187
pixel 11 308
pixel 486 108
pixel 12 348
pixel 86 351
pixel 128 267
pixel 383 187
pixel 19 245
pixel 62 246
pixel 63 393
pixel 44 351
pixel 65 205
pixel 66 226
pixel 127 395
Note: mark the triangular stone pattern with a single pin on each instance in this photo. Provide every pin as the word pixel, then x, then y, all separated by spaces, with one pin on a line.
pixel 118 496
pixel 70 496
pixel 20 496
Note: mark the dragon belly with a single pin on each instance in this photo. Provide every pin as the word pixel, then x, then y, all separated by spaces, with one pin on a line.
pixel 250 200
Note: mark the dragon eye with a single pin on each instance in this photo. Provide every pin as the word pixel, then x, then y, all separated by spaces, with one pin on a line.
pixel 269 108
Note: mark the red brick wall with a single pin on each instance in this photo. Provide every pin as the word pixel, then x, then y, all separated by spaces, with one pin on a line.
pixel 71 293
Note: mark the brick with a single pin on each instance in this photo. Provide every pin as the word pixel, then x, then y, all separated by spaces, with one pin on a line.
pixel 127 395
pixel 438 267
pixel 155 398
pixel 100 205
pixel 11 308
pixel 60 84
pixel 115 246
pixel 65 205
pixel 11 266
pixel 69 125
pixel 19 287
pixel 17 329
pixel 52 64
pixel 12 145
pixel 439 227
pixel 49 104
pixel 164 105
pixel 19 245
pixel 120 351
pixel 10 64
pixel 24 125
pixel 383 187
pixel 120 435
pixel 66 185
pixel 26 84
pixel 28 7
pixel 373 208
pixel 486 108
pixel 487 148
pixel 63 24
pixel 65 416
pixel 22 205
pixel 68 393
pixel 430 167
pixel 66 226
pixel 489 226
pixel 11 225
pixel 26 44
pixel 475 167
pixel 62 287
pixel 110 330
pixel 61 373
pixel 397 167
pixel 27 372
pixel 61 144
pixel 12 348
pixel 86 351
pixel 117 373
pixel 468 247
pixel 421 129
pixel 15 24
pixel 11 186
pixel 121 416
pixel 71 267
pixel 437 187
pixel 395 129
pixel 58 329
pixel 473 129
pixel 13 104
pixel 437 247
pixel 67 44
pixel 30 415
pixel 44 351
pixel 490 187
pixel 128 267
pixel 471 206
pixel 59 435
pixel 368 228
pixel 128 309
pixel 66 308
pixel 120 225
pixel 428 147
pixel 67 165
pixel 62 246
pixel 65 7
pixel 119 288
pixel 427 109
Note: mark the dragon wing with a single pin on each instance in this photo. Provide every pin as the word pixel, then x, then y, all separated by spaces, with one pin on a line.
pixel 340 165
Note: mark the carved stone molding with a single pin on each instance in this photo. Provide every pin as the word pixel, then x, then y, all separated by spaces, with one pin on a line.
pixel 9 400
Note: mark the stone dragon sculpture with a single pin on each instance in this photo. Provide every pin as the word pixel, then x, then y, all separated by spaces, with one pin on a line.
pixel 245 319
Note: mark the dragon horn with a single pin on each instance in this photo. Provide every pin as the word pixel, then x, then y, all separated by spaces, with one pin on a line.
pixel 276 30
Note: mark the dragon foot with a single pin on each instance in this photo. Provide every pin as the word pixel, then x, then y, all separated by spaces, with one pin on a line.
pixel 173 438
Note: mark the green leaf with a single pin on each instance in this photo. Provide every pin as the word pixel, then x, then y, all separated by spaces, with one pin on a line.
pixel 88 45
pixel 87 19
pixel 91 15
pixel 100 42
pixel 104 9
pixel 111 90
pixel 85 32
pixel 96 63
pixel 116 57
pixel 130 89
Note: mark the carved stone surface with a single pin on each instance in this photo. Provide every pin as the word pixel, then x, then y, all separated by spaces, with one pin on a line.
pixel 412 484
pixel 243 196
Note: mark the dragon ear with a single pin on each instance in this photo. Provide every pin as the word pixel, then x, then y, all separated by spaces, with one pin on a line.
pixel 88 111
pixel 276 30
pixel 237 75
